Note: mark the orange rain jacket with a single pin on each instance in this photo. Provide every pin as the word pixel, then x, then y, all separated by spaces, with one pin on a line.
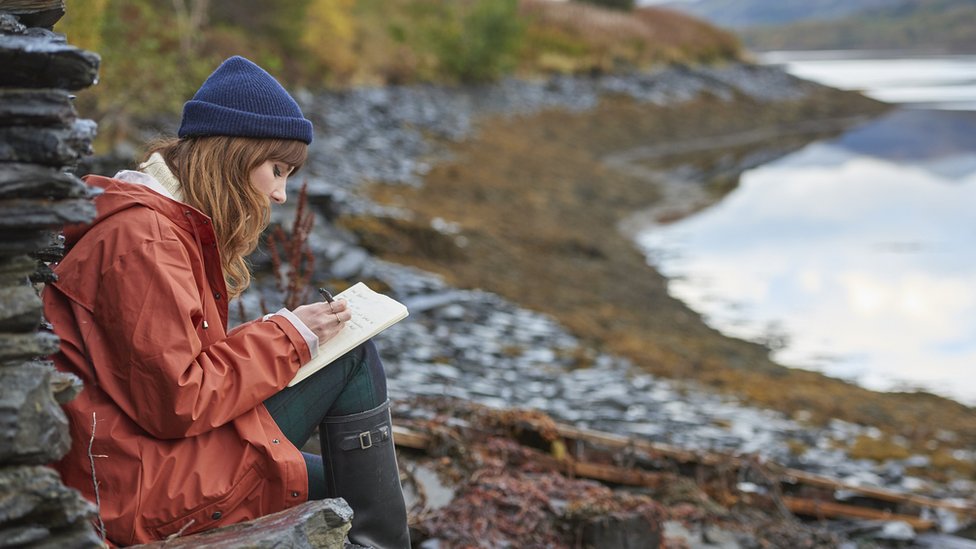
pixel 182 441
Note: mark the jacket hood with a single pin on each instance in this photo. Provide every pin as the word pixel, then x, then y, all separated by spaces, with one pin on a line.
pixel 121 194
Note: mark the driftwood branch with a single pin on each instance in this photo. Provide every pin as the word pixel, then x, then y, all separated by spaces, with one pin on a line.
pixel 830 509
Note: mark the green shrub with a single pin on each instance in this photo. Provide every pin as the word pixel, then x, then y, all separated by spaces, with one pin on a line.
pixel 479 42
pixel 151 63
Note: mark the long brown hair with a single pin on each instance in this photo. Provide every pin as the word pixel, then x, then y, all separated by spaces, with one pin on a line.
pixel 215 175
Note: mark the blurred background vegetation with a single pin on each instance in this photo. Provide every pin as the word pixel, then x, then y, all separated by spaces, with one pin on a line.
pixel 929 25
pixel 155 54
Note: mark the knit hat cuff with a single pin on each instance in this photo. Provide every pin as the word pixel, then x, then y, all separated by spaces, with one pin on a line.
pixel 213 119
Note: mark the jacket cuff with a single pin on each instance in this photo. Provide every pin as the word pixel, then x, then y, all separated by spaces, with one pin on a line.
pixel 286 317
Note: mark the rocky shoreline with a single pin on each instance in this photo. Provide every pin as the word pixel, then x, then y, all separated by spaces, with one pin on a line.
pixel 475 345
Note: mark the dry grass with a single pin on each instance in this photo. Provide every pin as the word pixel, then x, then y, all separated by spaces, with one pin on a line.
pixel 577 37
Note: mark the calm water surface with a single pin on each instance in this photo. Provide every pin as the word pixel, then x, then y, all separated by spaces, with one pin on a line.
pixel 853 256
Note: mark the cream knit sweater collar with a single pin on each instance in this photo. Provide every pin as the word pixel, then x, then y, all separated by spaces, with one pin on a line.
pixel 157 168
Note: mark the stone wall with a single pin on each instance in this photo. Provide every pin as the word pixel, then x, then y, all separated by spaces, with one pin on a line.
pixel 40 136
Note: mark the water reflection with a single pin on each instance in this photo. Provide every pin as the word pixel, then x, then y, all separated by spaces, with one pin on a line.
pixel 933 81
pixel 856 260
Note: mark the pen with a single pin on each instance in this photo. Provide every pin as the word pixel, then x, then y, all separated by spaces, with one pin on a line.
pixel 328 296
pixel 329 299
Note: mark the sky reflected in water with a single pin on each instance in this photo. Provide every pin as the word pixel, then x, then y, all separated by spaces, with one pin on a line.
pixel 861 263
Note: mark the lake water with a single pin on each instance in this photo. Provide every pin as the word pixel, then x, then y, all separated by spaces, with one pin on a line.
pixel 852 256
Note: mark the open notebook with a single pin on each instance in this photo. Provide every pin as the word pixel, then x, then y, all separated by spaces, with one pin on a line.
pixel 371 314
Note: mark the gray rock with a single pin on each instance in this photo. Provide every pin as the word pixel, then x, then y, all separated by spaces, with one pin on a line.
pixel 21 310
pixel 34 495
pixel 64 386
pixel 10 25
pixel 35 181
pixel 762 83
pixel 49 146
pixel 623 531
pixel 47 107
pixel 19 536
pixel 41 214
pixel 318 523
pixel 896 530
pixel 77 536
pixel 15 347
pixel 720 538
pixel 45 62
pixel 36 13
pixel 436 300
pixel 19 242
pixel 350 263
pixel 15 270
pixel 33 427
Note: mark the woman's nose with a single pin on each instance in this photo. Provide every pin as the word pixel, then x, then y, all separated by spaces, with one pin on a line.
pixel 279 196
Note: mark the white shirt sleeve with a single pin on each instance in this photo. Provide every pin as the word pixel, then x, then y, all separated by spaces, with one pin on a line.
pixel 310 338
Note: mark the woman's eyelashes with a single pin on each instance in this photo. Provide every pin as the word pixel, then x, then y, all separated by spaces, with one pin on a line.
pixel 276 170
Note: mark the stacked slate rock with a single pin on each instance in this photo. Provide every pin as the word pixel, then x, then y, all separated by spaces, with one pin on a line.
pixel 40 136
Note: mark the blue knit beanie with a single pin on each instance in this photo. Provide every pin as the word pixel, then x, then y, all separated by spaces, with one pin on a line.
pixel 241 99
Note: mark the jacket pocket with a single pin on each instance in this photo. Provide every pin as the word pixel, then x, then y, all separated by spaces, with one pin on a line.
pixel 211 513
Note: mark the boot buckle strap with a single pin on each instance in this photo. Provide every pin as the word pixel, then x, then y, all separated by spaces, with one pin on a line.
pixel 365 439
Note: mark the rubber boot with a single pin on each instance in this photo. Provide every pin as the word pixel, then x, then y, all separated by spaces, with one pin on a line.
pixel 361 467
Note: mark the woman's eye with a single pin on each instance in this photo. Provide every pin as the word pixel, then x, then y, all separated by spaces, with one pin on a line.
pixel 277 171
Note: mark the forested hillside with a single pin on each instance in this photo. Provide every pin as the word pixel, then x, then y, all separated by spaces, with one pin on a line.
pixel 928 25
pixel 739 14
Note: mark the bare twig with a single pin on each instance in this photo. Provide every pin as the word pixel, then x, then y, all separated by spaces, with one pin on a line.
pixel 291 258
pixel 179 532
pixel 273 238
pixel 241 310
pixel 98 498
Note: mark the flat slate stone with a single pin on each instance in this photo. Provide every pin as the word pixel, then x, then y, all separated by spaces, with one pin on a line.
pixel 22 213
pixel 36 181
pixel 43 61
pixel 43 275
pixel 53 248
pixel 15 242
pixel 50 146
pixel 33 427
pixel 318 523
pixel 15 347
pixel 20 308
pixel 19 536
pixel 33 496
pixel 36 13
pixel 25 107
pixel 15 270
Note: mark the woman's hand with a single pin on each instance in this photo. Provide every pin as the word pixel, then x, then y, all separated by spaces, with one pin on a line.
pixel 324 319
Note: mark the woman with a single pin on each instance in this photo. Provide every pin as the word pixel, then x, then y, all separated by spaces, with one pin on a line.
pixel 190 427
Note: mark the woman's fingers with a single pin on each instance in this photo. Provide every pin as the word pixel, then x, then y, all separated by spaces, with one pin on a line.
pixel 324 319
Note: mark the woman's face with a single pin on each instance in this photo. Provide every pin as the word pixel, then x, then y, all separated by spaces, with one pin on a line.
pixel 270 178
